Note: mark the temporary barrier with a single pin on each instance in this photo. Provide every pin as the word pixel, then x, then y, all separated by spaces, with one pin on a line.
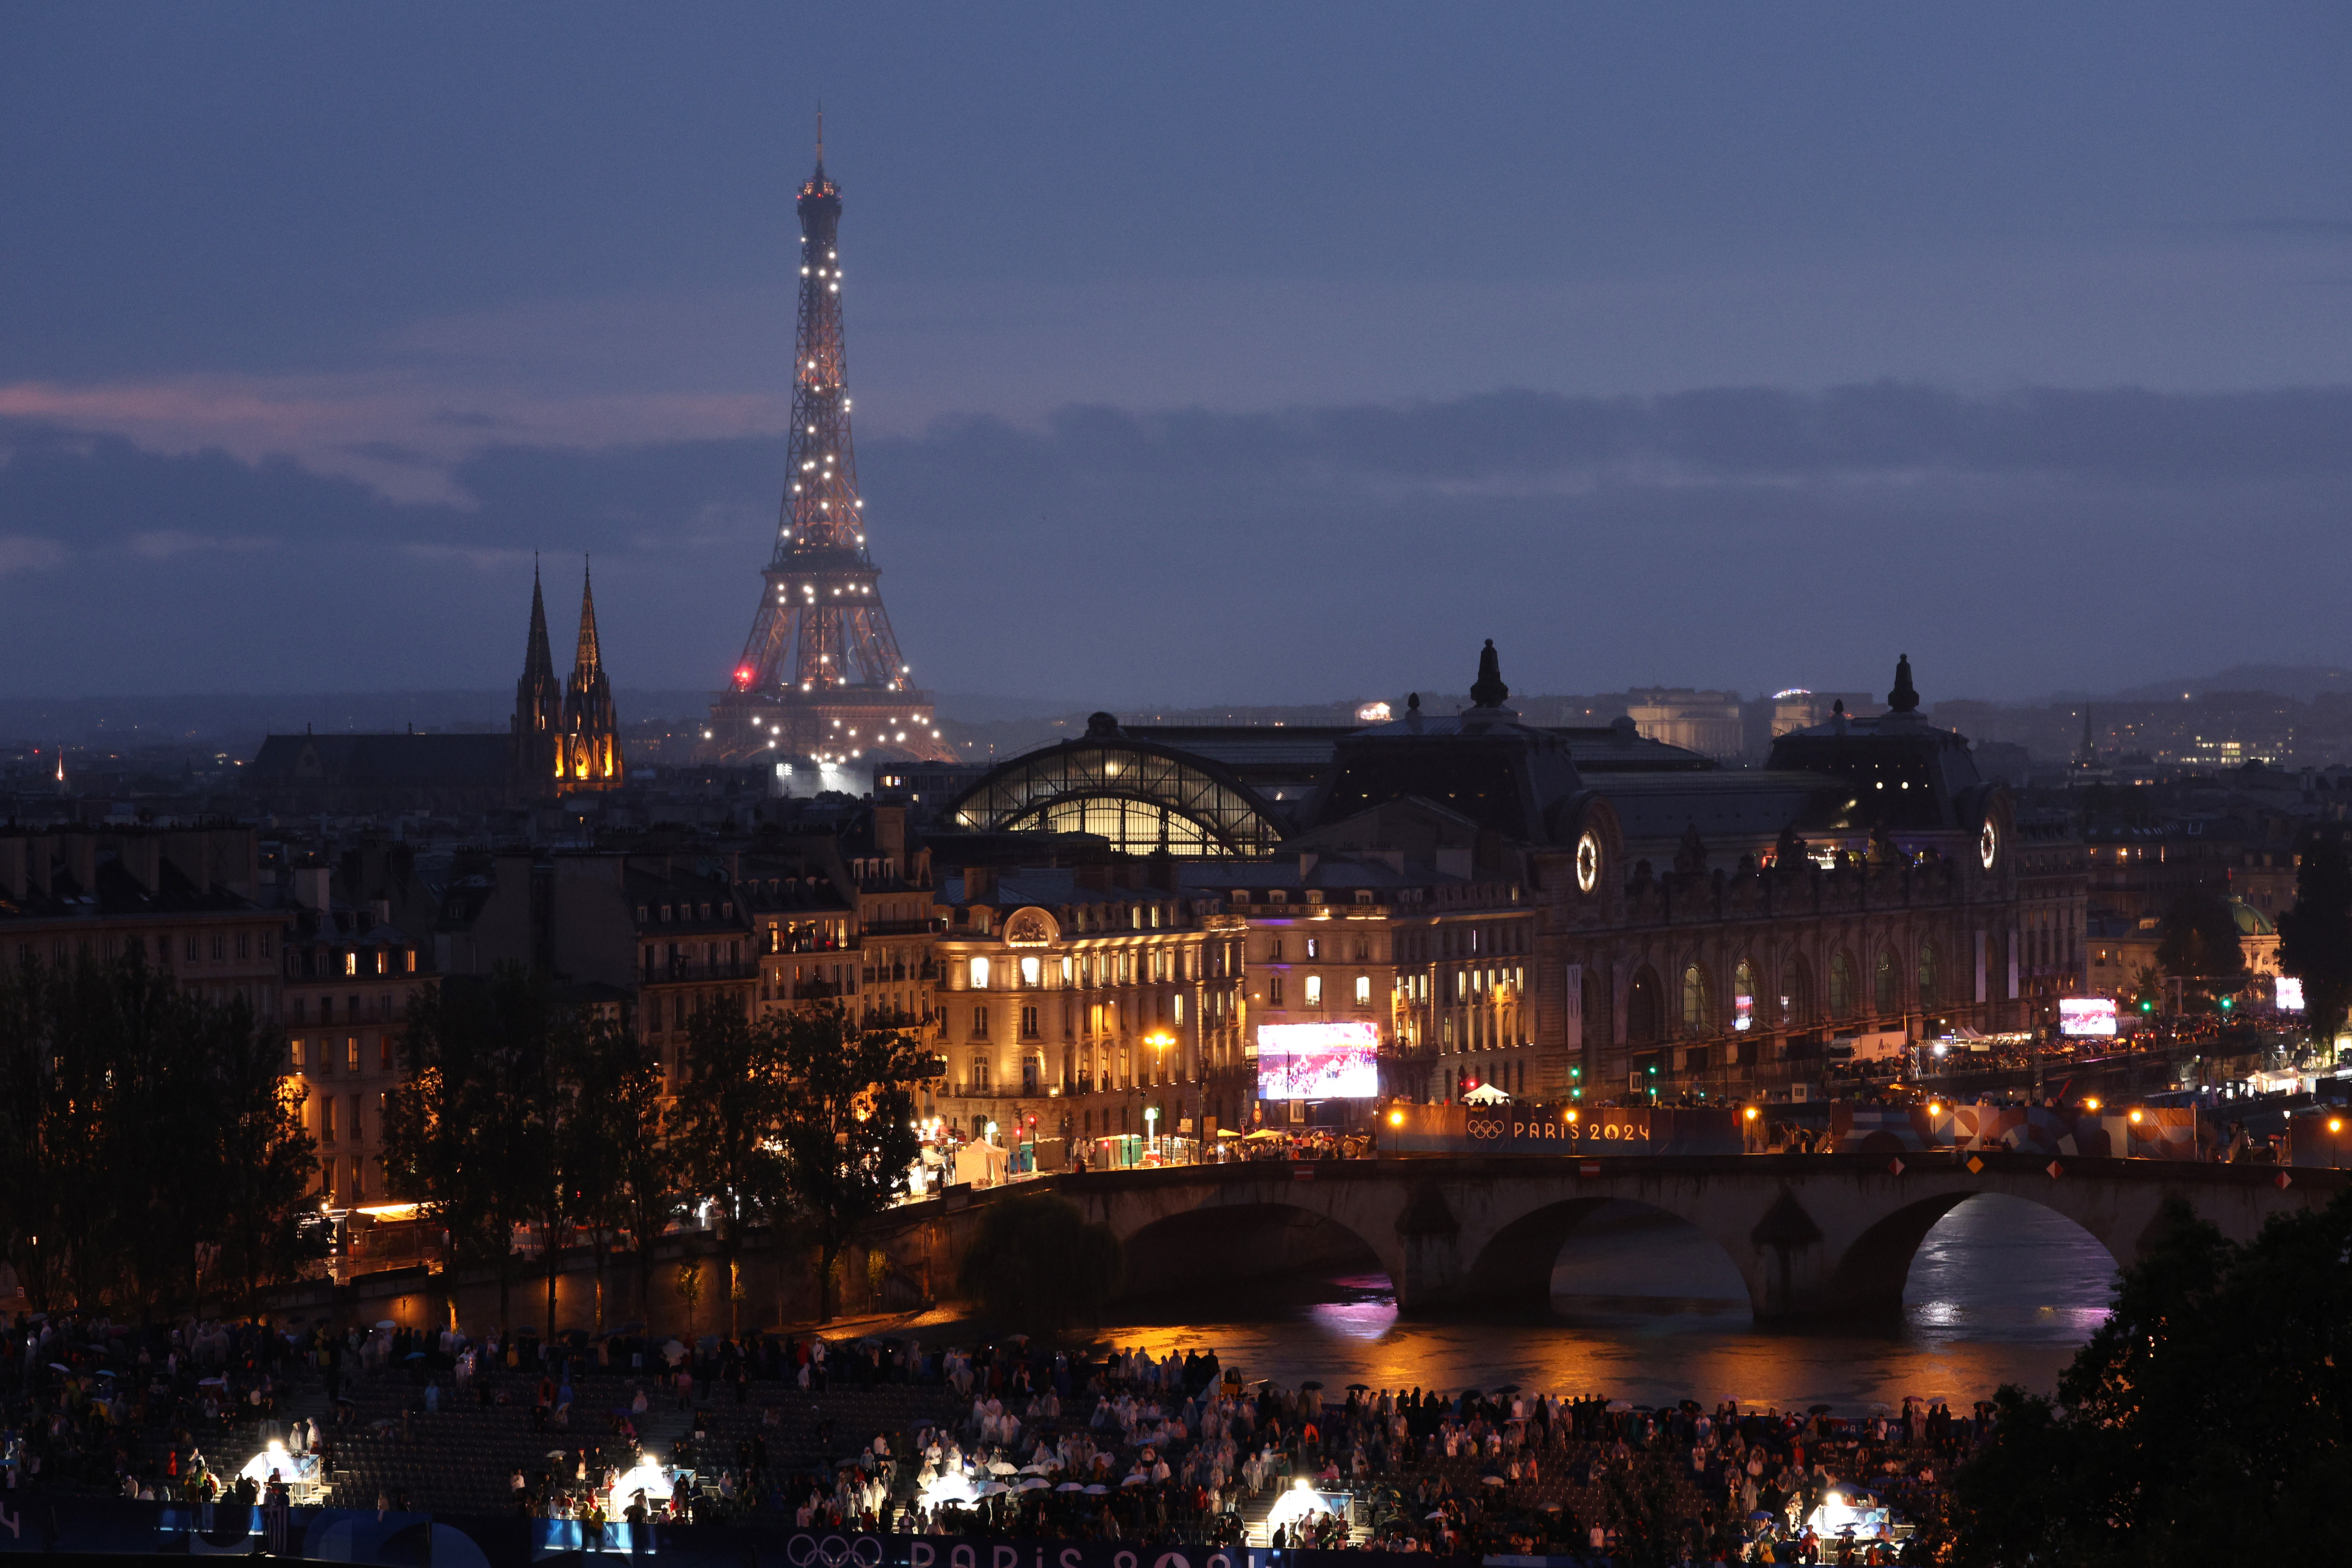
pixel 1522 1128
pixel 1885 1130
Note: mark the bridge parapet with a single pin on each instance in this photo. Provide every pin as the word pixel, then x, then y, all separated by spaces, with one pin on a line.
pixel 1811 1235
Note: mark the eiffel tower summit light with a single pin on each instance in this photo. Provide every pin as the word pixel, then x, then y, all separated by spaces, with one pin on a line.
pixel 820 674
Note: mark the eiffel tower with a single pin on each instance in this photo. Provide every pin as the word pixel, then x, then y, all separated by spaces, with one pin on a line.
pixel 821 676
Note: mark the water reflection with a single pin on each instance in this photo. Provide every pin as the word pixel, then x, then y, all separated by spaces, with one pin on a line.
pixel 1648 1309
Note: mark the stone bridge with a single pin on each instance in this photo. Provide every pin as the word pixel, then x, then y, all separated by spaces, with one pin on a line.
pixel 1811 1235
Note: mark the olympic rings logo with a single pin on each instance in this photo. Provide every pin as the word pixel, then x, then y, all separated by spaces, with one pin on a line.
pixel 1486 1129
pixel 833 1552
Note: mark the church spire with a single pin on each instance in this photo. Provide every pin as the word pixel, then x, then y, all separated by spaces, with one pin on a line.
pixel 585 659
pixel 537 726
pixel 536 658
pixel 591 756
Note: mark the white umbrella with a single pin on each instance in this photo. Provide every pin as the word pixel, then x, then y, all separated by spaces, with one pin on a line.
pixel 999 1468
pixel 1134 1481
pixel 1098 1490
pixel 1619 1406
pixel 1069 1486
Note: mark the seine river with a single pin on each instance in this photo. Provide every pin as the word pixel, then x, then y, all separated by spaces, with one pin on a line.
pixel 2002 1290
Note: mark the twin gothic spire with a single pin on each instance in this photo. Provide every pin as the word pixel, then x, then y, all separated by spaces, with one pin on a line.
pixel 566 737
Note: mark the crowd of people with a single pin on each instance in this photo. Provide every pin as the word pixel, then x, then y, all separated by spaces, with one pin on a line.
pixel 1013 1442
pixel 1180 1448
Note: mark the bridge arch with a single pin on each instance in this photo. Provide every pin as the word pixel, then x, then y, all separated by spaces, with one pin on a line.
pixel 1517 1265
pixel 1871 1273
pixel 1224 1242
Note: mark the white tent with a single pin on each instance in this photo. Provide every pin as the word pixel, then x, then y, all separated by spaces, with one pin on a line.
pixel 982 1165
pixel 1485 1095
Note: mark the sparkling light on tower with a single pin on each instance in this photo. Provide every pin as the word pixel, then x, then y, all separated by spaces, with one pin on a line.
pixel 821 673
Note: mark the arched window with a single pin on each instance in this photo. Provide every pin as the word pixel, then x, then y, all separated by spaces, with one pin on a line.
pixel 1698 1017
pixel 1645 1017
pixel 1841 997
pixel 1884 987
pixel 1743 995
pixel 1796 993
pixel 1928 975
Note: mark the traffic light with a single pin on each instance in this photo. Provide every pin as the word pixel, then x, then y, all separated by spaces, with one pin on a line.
pixel 2229 1002
pixel 2146 1004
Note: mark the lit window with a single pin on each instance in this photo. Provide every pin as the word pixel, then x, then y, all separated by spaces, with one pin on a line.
pixel 350 962
pixel 1032 971
pixel 1314 990
pixel 1363 991
pixel 980 974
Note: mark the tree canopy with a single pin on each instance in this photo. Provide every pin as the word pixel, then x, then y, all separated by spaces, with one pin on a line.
pixel 152 1154
pixel 2316 936
pixel 2204 1423
pixel 2199 938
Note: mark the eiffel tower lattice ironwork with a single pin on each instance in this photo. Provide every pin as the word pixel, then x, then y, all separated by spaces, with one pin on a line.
pixel 821 673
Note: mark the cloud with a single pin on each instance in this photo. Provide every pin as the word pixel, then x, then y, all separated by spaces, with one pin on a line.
pixel 1745 537
pixel 21 552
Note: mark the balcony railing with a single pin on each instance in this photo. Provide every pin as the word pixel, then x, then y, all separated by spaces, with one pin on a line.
pixel 900 927
pixel 683 973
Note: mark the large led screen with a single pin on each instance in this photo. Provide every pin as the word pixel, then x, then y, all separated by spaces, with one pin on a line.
pixel 2086 1016
pixel 1319 1061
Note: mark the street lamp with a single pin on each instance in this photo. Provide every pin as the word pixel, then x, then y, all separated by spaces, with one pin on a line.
pixel 1152 1126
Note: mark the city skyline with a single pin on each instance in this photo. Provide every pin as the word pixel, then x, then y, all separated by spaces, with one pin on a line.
pixel 1875 346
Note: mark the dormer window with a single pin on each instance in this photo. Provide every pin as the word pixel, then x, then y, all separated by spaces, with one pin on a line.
pixel 641 914
pixel 1279 895
pixel 666 912
pixel 1363 895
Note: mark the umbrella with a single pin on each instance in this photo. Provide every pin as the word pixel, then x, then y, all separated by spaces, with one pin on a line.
pixel 1493 1480
pixel 1098 1490
pixel 999 1468
pixel 61 1366
pixel 1760 1517
pixel 413 1356
pixel 1817 1409
pixel 1135 1480
pixel 1034 1483
pixel 1619 1406
pixel 385 1323
pixel 1439 1514
pixel 1310 1383
pixel 1069 1486
pixel 1508 1388
pixel 1359 1388
pixel 1042 1467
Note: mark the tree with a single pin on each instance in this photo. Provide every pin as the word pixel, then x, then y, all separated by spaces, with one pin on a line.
pixel 724 1127
pixel 613 1120
pixel 1037 1264
pixel 2205 1422
pixel 143 1130
pixel 2199 938
pixel 2316 936
pixel 466 1137
pixel 848 1127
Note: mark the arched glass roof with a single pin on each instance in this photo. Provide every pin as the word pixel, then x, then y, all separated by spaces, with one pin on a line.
pixel 1139 796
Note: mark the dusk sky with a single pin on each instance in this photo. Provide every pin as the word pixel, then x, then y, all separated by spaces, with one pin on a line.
pixel 1201 353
